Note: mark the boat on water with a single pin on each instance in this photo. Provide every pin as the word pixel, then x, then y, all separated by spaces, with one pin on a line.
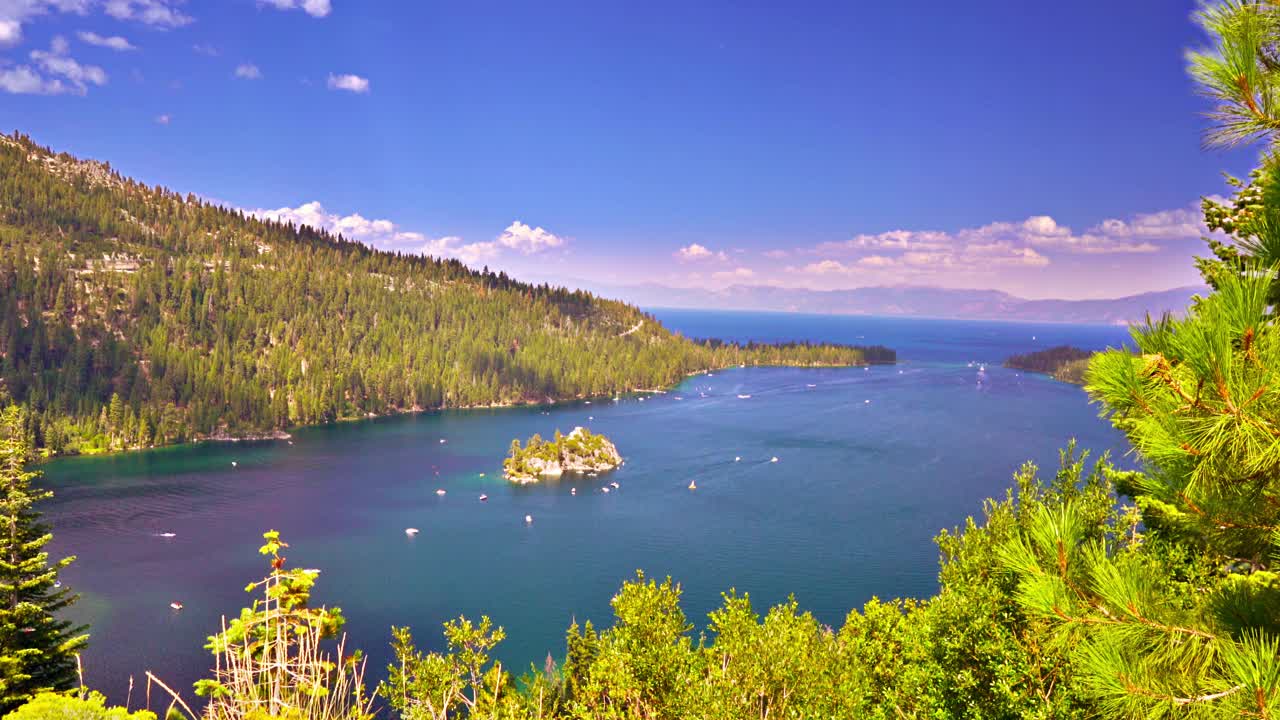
pixel 483 497
pixel 167 534
pixel 528 519
pixel 773 459
pixel 811 385
pixel 604 490
pixel 737 458
pixel 411 531
pixel 744 397
pixel 175 605
pixel 440 492
pixel 693 484
pixel 615 485
pixel 573 491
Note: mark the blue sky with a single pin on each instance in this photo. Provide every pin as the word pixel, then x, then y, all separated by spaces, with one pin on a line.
pixel 1046 149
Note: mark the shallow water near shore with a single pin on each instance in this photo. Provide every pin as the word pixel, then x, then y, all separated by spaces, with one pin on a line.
pixel 871 464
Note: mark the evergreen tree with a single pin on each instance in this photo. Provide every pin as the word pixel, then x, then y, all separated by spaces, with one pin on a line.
pixel 1173 609
pixel 37 650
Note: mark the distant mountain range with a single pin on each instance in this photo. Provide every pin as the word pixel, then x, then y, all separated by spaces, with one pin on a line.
pixel 910 300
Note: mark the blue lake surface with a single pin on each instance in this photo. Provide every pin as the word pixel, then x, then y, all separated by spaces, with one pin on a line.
pixel 871 464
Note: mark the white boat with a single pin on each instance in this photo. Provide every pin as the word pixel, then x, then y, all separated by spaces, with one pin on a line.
pixel 693 484
pixel 167 534
pixel 573 491
pixel 811 385
pixel 615 485
pixel 481 474
pixel 483 497
pixel 773 459
pixel 591 417
pixel 443 441
pixel 528 519
pixel 175 605
pixel 737 458
pixel 233 463
pixel 440 492
pixel 411 531
pixel 744 397
pixel 604 490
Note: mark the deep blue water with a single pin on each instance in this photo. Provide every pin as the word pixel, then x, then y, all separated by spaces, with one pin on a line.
pixel 871 464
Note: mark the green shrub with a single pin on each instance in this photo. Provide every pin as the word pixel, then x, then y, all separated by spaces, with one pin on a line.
pixel 91 706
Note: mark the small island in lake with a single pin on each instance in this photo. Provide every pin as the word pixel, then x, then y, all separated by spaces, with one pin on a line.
pixel 1064 362
pixel 581 451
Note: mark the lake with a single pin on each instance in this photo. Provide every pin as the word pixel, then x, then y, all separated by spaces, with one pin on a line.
pixel 871 464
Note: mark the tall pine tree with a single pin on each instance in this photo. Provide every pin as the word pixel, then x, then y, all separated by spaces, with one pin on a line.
pixel 37 650
pixel 1179 615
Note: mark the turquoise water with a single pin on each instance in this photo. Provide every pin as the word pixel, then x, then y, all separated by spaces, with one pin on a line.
pixel 871 464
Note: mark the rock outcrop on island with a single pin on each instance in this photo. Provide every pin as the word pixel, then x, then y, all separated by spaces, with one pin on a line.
pixel 581 451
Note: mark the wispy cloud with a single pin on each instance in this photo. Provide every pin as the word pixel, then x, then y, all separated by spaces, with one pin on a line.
pixel 736 274
pixel 157 13
pixel 14 14
pixel 55 72
pixel 350 83
pixel 114 42
pixel 248 71
pixel 206 50
pixel 314 8
pixel 163 119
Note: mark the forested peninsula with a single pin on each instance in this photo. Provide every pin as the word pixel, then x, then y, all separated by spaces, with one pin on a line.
pixel 1064 362
pixel 132 316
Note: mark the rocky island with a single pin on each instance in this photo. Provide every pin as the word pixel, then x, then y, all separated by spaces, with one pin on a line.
pixel 581 451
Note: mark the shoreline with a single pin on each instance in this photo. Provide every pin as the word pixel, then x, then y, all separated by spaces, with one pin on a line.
pixel 275 435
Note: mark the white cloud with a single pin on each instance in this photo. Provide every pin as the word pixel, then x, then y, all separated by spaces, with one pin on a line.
pixel 10 32
pixel 248 71
pixel 379 233
pixel 157 13
pixel 350 83
pixel 777 254
pixel 114 42
pixel 163 119
pixel 527 240
pixel 55 73
pixel 699 252
pixel 469 253
pixel 314 8
pixel 740 273
pixel 389 235
pixel 22 80
pixel 906 255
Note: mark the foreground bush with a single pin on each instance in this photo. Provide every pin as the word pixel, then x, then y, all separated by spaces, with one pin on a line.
pixel 87 706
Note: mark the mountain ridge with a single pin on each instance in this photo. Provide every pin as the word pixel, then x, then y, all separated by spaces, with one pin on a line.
pixel 907 301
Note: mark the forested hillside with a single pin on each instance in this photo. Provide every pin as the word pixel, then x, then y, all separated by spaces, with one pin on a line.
pixel 133 316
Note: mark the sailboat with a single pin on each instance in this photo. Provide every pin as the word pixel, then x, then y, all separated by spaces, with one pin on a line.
pixel 693 484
